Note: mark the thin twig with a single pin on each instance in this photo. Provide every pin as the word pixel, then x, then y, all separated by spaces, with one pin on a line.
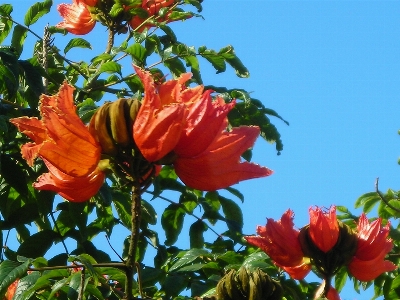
pixel 383 198
pixel 116 253
pixel 81 290
pixel 59 232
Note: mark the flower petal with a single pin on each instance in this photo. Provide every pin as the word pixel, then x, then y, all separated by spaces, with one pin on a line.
pixel 279 240
pixel 324 228
pixel 219 166
pixel 77 18
pixel 370 269
pixel 75 189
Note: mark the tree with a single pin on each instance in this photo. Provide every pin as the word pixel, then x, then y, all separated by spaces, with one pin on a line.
pixel 158 138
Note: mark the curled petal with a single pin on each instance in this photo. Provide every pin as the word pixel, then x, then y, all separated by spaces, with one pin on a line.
pixel 75 189
pixel 297 272
pixel 77 18
pixel 279 239
pixel 369 270
pixel 372 238
pixel 219 165
pixel 205 121
pixel 324 228
pixel 157 128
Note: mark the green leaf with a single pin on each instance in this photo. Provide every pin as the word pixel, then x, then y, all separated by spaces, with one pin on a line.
pixel 37 244
pixel 174 284
pixel 10 271
pixel 36 11
pixel 110 67
pixel 138 53
pixel 149 214
pixel 77 42
pixel 340 279
pixel 217 61
pixel 6 10
pixel 188 258
pixel 14 174
pixel 26 283
pixel 196 234
pixel 368 199
pixel 228 53
pixel 121 203
pixel 18 38
pixel 233 214
pixel 172 222
pixel 175 65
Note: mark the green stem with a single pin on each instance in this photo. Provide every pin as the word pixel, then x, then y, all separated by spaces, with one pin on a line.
pixel 133 242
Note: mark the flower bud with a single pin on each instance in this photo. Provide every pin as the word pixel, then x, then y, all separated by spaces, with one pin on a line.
pixel 247 285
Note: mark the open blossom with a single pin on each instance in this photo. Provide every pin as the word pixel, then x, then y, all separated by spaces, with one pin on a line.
pixel 185 125
pixel 65 145
pixel 327 244
pixel 373 245
pixel 279 239
pixel 77 18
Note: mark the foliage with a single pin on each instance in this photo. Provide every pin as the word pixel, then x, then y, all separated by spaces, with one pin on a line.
pixel 57 256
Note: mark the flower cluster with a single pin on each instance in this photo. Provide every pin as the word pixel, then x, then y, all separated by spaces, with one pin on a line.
pixel 80 17
pixel 174 125
pixel 184 127
pixel 326 243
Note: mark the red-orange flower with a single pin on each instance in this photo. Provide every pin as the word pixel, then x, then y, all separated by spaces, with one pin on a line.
pixel 187 125
pixel 65 145
pixel 11 290
pixel 77 18
pixel 152 7
pixel 324 228
pixel 88 2
pixel 279 239
pixel 161 117
pixel 372 247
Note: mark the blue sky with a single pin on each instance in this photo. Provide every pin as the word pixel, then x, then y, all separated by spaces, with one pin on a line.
pixel 330 68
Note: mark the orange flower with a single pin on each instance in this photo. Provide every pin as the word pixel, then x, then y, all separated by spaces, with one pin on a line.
pixel 65 145
pixel 280 241
pixel 372 247
pixel 88 2
pixel 152 7
pixel 185 123
pixel 11 290
pixel 161 117
pixel 77 18
pixel 324 228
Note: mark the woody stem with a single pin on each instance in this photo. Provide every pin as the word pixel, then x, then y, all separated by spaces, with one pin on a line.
pixel 133 241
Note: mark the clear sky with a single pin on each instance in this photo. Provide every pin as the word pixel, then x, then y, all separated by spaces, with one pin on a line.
pixel 330 68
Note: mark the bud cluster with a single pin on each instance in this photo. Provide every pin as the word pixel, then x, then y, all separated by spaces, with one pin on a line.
pixel 247 285
pixel 112 127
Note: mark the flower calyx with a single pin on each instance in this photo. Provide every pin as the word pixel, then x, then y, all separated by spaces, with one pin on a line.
pixel 328 263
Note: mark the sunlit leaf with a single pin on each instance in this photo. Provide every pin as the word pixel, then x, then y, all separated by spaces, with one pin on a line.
pixel 77 42
pixel 36 11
